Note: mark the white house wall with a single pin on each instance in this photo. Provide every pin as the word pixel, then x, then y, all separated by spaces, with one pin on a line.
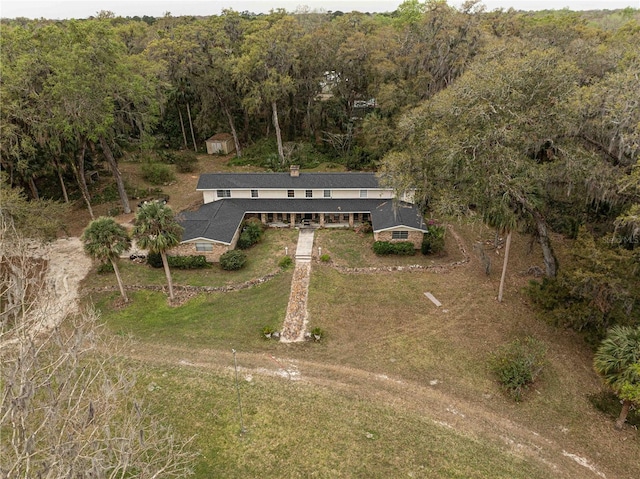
pixel 210 195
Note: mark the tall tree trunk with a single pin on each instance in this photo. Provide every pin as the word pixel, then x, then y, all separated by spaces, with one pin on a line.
pixel 193 137
pixel 119 278
pixel 626 405
pixel 78 169
pixel 33 188
pixel 232 126
pixel 550 261
pixel 167 272
pixel 504 266
pixel 184 134
pixel 106 149
pixel 309 126
pixel 63 187
pixel 276 125
pixel 245 127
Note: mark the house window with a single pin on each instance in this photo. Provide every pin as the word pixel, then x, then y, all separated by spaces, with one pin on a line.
pixel 308 193
pixel 363 193
pixel 399 235
pixel 204 247
pixel 224 193
pixel 290 194
pixel 254 193
pixel 327 193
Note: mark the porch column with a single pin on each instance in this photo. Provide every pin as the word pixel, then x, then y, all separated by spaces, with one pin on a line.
pixel 263 218
pixel 321 220
pixel 292 220
pixel 350 220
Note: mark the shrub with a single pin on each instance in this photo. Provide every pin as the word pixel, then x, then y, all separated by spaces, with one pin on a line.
pixel 401 248
pixel 267 331
pixel 154 260
pixel 325 258
pixel 252 231
pixel 233 260
pixel 364 228
pixel 317 333
pixel 518 364
pixel 433 241
pixel 105 268
pixel 188 262
pixel 179 262
pixel 244 241
pixel 382 248
pixel 285 262
pixel 157 173
pixel 256 153
pixel 186 162
pixel 404 248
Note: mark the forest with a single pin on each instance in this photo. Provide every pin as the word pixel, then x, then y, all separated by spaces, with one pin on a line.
pixel 527 121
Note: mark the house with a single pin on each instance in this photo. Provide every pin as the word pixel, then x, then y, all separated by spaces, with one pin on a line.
pixel 220 143
pixel 294 199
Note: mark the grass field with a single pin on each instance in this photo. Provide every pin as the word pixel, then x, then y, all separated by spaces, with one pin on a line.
pixel 397 388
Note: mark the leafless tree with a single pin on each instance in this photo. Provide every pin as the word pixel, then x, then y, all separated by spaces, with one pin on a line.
pixel 67 401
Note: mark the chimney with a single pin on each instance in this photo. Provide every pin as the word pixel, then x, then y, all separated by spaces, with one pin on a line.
pixel 294 171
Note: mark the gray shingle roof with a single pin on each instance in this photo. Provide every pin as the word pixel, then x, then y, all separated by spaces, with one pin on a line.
pixel 226 181
pixel 219 220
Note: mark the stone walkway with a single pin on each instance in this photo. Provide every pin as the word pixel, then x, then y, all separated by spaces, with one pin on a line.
pixel 295 322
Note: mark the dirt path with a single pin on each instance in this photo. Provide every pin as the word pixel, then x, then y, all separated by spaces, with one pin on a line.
pixel 464 417
pixel 68 265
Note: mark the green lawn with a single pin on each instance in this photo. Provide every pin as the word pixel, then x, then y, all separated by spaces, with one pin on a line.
pixel 262 259
pixel 340 423
pixel 214 320
pixel 293 430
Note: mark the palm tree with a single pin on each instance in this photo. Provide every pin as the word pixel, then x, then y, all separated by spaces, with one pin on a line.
pixel 501 216
pixel 104 239
pixel 157 230
pixel 616 360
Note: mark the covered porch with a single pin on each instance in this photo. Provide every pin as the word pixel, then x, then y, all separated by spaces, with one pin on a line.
pixel 312 219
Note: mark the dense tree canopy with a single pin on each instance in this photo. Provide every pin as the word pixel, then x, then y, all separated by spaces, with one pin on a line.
pixel 529 121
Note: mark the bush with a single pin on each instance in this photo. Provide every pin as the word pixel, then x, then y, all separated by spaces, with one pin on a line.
pixel 233 260
pixel 317 333
pixel 179 262
pixel 364 228
pixel 252 232
pixel 186 162
pixel 433 241
pixel 285 262
pixel 382 248
pixel 325 258
pixel 157 173
pixel 404 248
pixel 154 260
pixel 267 331
pixel 105 268
pixel 188 262
pixel 518 364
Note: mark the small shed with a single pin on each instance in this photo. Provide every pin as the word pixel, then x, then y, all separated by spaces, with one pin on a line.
pixel 220 143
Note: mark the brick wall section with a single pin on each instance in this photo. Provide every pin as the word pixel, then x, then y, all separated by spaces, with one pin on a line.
pixel 415 237
pixel 189 249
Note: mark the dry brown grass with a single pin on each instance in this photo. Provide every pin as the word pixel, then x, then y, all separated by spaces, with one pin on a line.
pixel 182 192
pixel 389 349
